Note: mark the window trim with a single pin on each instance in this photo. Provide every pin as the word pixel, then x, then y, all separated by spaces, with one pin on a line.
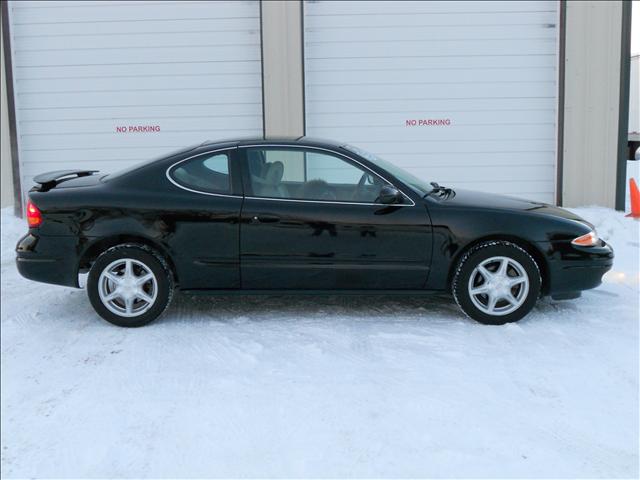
pixel 338 154
pixel 175 182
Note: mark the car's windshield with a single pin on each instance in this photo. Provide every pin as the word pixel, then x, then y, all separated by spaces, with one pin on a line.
pixel 422 187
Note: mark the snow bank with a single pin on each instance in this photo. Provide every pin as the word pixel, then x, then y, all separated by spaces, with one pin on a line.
pixel 331 387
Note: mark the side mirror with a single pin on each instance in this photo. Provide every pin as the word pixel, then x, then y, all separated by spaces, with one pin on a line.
pixel 389 195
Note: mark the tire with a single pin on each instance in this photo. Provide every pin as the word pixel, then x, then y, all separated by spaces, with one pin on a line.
pixel 130 285
pixel 496 282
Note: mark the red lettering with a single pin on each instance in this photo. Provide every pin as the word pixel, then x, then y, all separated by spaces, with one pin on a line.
pixel 138 129
pixel 428 122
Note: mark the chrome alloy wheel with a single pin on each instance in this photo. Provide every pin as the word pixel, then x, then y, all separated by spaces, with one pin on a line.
pixel 498 286
pixel 127 287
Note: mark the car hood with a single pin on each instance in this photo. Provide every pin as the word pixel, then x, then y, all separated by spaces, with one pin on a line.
pixel 479 200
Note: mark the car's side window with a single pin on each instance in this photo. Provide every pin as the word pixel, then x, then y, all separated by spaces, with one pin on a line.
pixel 300 174
pixel 206 173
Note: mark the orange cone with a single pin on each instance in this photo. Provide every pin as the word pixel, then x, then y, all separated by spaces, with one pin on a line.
pixel 635 199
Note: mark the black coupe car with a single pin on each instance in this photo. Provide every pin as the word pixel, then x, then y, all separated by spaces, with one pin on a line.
pixel 298 216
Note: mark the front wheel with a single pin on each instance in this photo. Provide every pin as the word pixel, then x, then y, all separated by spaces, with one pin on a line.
pixel 496 282
pixel 130 285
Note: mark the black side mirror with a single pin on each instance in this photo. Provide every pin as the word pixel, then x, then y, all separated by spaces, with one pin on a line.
pixel 389 195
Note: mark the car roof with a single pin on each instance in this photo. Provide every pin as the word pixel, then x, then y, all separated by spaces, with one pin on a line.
pixel 304 140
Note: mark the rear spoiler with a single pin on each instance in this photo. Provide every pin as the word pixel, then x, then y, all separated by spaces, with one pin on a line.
pixel 51 179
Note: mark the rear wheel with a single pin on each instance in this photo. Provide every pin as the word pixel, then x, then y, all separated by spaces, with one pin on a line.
pixel 130 285
pixel 496 282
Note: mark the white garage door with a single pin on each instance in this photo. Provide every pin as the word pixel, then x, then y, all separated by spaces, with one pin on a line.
pixel 463 93
pixel 106 84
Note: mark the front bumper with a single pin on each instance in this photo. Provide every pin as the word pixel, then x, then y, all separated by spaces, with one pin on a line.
pixel 48 259
pixel 573 268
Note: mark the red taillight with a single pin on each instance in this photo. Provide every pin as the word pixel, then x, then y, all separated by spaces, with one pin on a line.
pixel 34 217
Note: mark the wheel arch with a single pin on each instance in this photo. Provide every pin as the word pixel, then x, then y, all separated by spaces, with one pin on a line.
pixel 94 249
pixel 529 247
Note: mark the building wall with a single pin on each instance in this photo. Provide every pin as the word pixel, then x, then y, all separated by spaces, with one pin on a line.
pixel 591 110
pixel 282 69
pixel 6 177
pixel 593 32
pixel 634 95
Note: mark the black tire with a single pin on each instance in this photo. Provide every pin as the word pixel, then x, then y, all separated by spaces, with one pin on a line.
pixel 475 257
pixel 143 256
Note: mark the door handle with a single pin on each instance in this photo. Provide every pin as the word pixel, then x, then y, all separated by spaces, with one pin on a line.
pixel 265 219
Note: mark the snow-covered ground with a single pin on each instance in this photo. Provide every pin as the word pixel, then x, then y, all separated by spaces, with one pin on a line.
pixel 331 387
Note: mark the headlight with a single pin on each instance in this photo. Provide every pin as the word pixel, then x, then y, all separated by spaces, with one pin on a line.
pixel 588 240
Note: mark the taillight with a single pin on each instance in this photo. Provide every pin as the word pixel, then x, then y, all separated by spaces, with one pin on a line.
pixel 587 240
pixel 34 217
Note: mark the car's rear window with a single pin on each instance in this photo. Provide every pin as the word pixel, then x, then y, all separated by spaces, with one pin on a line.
pixel 207 173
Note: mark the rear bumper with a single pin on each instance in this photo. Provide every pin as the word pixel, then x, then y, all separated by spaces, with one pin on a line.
pixel 580 269
pixel 48 259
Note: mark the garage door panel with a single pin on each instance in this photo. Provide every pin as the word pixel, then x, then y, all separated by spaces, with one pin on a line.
pixel 142 114
pixel 138 70
pixel 138 97
pixel 81 12
pixel 448 80
pixel 467 158
pixel 424 107
pixel 449 48
pixel 451 133
pixel 173 27
pixel 434 33
pixel 432 91
pixel 132 55
pixel 430 63
pixel 173 101
pixel 410 7
pixel 428 76
pixel 119 84
pixel 505 173
pixel 402 20
pixel 106 85
pixel 149 40
pixel 480 150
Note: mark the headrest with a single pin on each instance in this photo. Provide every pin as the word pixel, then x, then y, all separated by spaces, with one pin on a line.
pixel 275 173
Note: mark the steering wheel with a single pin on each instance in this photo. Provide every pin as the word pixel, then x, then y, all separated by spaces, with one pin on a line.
pixel 319 190
pixel 328 195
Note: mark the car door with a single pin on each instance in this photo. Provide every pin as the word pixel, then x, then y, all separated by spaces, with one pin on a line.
pixel 311 220
pixel 203 229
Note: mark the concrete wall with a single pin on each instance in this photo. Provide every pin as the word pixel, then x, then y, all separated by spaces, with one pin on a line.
pixel 6 177
pixel 592 93
pixel 634 95
pixel 282 68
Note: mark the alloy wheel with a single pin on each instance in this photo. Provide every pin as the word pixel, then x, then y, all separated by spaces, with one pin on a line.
pixel 498 286
pixel 127 287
